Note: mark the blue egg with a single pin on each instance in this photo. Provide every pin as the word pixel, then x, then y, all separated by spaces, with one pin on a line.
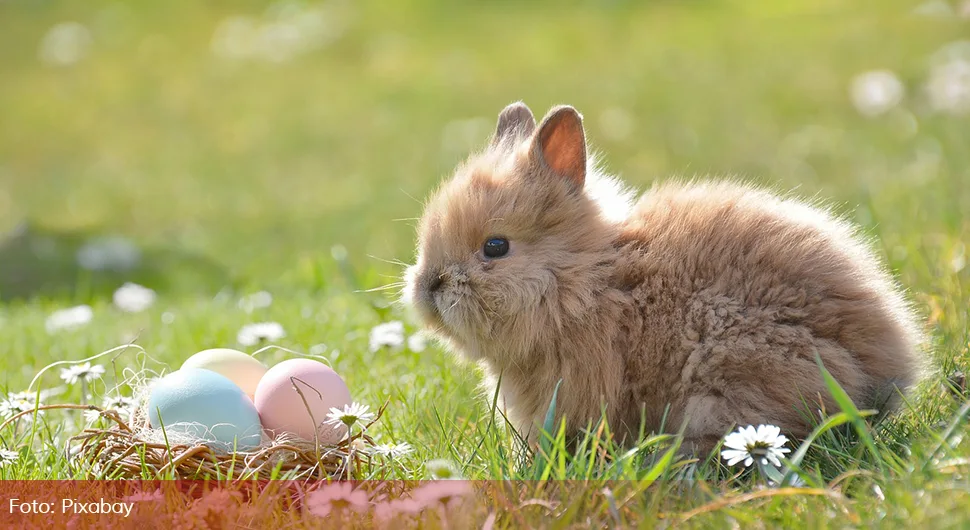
pixel 207 406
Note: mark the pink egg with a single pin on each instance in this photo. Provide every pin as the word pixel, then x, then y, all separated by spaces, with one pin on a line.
pixel 282 409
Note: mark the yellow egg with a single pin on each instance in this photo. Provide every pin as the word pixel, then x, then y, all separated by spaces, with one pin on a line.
pixel 242 369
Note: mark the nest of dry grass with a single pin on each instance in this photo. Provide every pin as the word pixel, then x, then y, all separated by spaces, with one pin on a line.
pixel 130 449
pixel 124 450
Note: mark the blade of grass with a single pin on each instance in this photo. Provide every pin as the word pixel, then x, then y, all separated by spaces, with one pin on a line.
pixel 489 427
pixel 855 416
pixel 545 437
pixel 547 424
pixel 951 429
pixel 830 423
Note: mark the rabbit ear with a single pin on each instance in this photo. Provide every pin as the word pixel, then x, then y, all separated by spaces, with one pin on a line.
pixel 515 119
pixel 561 144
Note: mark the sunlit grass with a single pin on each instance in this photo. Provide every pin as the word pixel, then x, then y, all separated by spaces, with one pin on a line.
pixel 303 178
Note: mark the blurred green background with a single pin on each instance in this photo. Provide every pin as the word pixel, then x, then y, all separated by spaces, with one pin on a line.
pixel 210 150
pixel 235 143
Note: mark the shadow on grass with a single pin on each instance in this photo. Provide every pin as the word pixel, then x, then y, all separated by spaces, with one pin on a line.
pixel 86 265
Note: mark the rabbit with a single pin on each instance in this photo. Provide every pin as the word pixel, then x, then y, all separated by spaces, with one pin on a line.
pixel 700 306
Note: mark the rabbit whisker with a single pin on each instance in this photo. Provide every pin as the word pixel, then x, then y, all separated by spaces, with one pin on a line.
pixel 387 287
pixel 390 261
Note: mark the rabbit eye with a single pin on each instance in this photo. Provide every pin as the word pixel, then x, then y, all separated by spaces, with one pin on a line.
pixel 496 247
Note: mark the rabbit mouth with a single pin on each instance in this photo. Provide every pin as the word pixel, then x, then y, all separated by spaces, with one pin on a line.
pixel 433 305
pixel 437 293
pixel 446 304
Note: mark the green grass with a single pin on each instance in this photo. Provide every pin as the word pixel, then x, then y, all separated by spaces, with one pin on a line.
pixel 240 176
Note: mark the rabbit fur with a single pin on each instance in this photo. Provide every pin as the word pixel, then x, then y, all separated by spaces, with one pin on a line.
pixel 701 305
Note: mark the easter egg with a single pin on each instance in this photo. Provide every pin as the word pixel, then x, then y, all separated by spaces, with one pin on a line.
pixel 284 410
pixel 242 369
pixel 206 406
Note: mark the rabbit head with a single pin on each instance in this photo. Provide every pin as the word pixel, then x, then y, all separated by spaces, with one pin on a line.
pixel 513 249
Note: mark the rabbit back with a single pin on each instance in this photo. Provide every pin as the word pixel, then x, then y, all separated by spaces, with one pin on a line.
pixel 732 293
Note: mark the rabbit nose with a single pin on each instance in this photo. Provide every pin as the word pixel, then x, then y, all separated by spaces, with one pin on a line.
pixel 435 281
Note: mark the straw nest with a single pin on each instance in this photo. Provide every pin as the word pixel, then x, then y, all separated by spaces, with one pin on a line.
pixel 122 444
pixel 130 448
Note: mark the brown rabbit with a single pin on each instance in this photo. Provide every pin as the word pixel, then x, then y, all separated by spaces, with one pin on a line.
pixel 703 303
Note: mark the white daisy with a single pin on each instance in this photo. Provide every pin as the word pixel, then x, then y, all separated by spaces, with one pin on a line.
pixel 253 334
pixel 351 414
pixel 417 342
pixel 389 334
pixel 144 496
pixel 82 372
pixel 65 44
pixel 336 496
pixel 255 301
pixel 876 92
pixel 120 403
pixel 765 443
pixel 91 416
pixel 8 457
pixel 133 298
pixel 16 403
pixel 948 86
pixel 392 450
pixel 338 252
pixel 70 318
pixel 28 396
pixel 442 469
